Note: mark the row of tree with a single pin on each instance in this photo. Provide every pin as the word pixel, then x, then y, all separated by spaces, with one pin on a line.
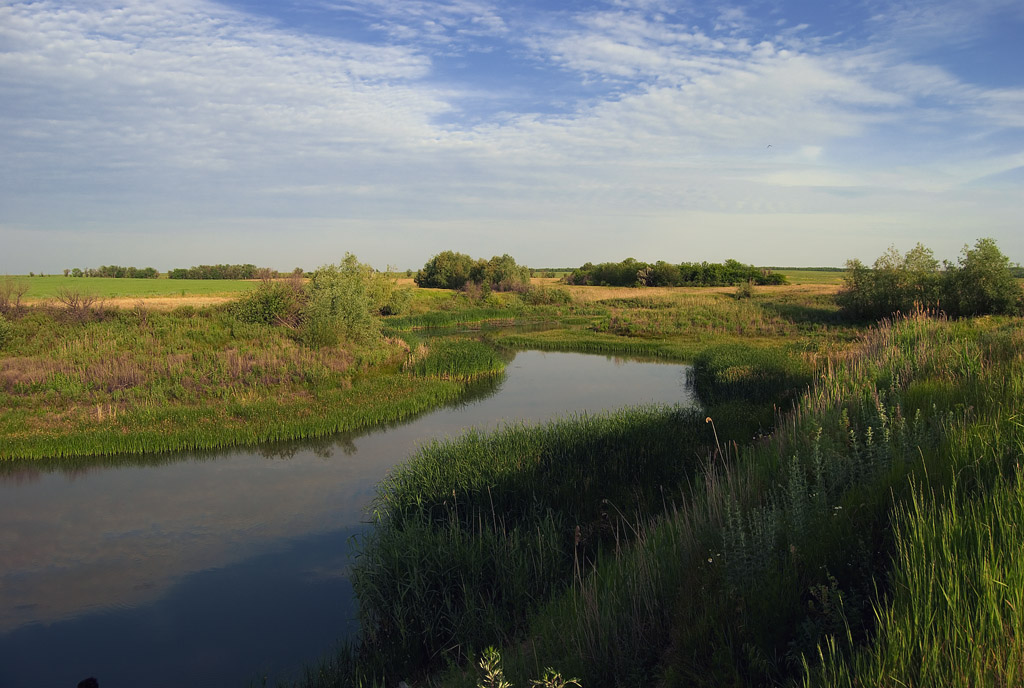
pixel 633 273
pixel 113 271
pixel 222 272
pixel 451 270
pixel 981 282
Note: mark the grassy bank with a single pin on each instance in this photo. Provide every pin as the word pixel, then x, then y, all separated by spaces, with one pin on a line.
pixel 118 381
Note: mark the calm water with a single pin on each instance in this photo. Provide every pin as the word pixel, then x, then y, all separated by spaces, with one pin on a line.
pixel 217 569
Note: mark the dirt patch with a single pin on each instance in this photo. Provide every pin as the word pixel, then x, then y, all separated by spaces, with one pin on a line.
pixel 166 303
pixel 601 293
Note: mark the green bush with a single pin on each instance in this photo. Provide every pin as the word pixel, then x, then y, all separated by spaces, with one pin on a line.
pixel 446 270
pixel 340 305
pixel 451 270
pixel 980 283
pixel 271 303
pixel 6 330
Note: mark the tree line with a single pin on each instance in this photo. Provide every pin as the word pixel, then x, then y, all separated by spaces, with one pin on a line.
pixel 113 271
pixel 241 271
pixel 633 273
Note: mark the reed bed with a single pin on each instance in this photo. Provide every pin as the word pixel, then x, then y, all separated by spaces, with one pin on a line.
pixel 457 359
pixel 589 341
pixel 452 318
pixel 472 535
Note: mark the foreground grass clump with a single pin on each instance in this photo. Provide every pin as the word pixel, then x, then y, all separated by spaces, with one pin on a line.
pixel 780 563
pixel 956 612
pixel 473 535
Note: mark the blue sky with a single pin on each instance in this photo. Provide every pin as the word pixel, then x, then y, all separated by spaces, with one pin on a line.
pixel 177 132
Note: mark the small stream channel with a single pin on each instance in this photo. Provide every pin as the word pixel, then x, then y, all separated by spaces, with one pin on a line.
pixel 218 569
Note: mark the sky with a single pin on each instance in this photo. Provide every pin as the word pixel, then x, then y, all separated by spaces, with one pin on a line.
pixel 285 133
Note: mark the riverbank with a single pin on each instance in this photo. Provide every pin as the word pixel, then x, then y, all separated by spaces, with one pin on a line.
pixel 85 379
pixel 113 381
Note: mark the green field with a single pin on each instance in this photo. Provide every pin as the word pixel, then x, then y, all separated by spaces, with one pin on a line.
pixel 797 276
pixel 48 287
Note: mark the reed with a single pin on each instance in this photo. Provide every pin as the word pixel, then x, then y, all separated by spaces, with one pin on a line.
pixel 457 359
pixel 472 535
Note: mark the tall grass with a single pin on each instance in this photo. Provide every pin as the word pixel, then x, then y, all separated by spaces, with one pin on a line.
pixel 955 614
pixel 473 535
pixel 690 314
pixel 458 359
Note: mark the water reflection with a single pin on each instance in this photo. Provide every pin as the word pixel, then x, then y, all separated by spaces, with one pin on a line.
pixel 135 549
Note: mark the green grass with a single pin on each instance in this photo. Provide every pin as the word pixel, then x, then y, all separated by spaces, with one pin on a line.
pixel 457 359
pixel 797 276
pixel 473 534
pixel 955 616
pixel 129 381
pixel 109 287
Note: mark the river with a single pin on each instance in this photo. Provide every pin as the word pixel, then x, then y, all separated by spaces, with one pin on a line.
pixel 218 569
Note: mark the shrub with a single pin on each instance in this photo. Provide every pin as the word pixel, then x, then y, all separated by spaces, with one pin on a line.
pixel 271 303
pixel 6 330
pixel 11 293
pixel 500 273
pixel 343 302
pixel 450 270
pixel 446 270
pixel 981 283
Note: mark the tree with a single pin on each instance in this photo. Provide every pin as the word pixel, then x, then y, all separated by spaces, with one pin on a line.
pixel 981 282
pixel 344 302
pixel 500 273
pixel 446 270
